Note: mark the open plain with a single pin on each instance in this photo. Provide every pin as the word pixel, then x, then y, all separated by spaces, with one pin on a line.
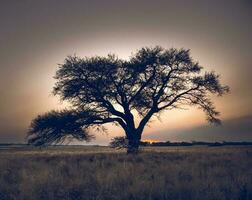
pixel 94 172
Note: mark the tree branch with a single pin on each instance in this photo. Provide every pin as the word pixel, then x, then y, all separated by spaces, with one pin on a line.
pixel 176 98
pixel 144 85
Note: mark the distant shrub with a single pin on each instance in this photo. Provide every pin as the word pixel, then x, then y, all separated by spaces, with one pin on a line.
pixel 119 142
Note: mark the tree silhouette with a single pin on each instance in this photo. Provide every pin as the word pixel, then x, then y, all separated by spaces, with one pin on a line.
pixel 110 90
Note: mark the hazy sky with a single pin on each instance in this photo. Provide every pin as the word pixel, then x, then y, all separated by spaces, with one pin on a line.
pixel 37 35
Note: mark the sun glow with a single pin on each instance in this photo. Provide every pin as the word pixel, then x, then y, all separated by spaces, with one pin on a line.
pixel 150 140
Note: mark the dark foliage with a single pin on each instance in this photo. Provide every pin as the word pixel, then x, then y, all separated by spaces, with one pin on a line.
pixel 55 127
pixel 108 90
pixel 119 142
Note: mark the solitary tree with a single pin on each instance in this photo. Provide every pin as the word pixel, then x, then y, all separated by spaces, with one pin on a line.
pixel 105 90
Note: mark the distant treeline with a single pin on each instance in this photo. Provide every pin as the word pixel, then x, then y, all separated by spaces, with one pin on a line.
pixel 142 143
pixel 193 143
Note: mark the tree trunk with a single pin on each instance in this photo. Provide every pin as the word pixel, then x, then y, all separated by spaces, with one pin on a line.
pixel 134 138
pixel 133 146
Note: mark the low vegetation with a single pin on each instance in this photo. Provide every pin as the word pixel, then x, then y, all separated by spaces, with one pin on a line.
pixel 122 142
pixel 104 173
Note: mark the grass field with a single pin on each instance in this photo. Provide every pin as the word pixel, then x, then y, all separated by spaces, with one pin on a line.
pixel 102 173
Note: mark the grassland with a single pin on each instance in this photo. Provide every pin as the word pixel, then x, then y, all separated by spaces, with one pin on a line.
pixel 102 173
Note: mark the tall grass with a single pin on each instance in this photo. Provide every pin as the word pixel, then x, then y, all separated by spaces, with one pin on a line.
pixel 160 173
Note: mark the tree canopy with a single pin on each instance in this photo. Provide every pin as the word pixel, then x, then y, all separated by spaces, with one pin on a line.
pixel 110 90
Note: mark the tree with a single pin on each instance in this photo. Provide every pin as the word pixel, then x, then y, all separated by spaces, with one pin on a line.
pixel 105 90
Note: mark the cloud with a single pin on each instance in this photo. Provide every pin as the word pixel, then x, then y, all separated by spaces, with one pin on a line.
pixel 235 129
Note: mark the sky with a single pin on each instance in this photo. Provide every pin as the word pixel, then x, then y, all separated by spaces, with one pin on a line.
pixel 36 36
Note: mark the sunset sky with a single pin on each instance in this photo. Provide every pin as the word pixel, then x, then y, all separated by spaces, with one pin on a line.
pixel 36 36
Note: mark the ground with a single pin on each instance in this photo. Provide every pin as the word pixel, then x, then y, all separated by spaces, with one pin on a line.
pixel 102 173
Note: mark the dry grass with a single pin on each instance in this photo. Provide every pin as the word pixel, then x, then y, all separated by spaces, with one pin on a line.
pixel 100 173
